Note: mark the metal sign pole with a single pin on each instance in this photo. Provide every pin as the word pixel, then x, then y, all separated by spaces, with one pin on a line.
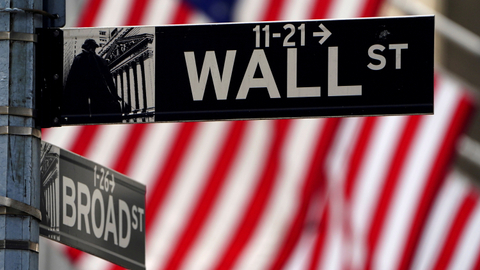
pixel 19 138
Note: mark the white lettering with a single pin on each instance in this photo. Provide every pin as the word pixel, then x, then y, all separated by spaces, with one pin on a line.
pixel 379 57
pixel 141 211
pixel 134 216
pixel 398 53
pixel 123 208
pixel 69 200
pixel 111 225
pixel 83 209
pixel 333 88
pixel 210 66
pixel 258 59
pixel 80 207
pixel 97 197
pixel 292 89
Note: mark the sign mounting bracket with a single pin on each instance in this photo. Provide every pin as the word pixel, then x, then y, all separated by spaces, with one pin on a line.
pixel 57 9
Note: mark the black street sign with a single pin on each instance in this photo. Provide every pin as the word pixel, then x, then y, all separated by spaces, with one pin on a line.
pixel 292 69
pixel 92 208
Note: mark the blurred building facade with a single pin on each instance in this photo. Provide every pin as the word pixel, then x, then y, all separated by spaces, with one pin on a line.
pixel 452 57
pixel 467 66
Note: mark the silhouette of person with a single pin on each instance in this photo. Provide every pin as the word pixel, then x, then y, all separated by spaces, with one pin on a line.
pixel 90 89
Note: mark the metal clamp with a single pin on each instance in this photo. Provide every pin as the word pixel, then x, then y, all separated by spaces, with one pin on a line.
pixel 29 10
pixel 27 37
pixel 22 131
pixel 19 244
pixel 20 206
pixel 17 111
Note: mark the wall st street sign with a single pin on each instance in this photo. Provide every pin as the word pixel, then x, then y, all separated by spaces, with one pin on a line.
pixel 317 68
pixel 92 208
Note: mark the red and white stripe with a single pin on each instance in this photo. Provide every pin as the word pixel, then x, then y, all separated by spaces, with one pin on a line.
pixel 451 239
pixel 285 194
pixel 388 171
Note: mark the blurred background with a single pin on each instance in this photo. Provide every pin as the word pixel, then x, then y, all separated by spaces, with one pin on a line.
pixel 397 192
pixel 456 51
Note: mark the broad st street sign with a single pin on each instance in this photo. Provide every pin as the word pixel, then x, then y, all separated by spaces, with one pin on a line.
pixel 92 208
pixel 292 69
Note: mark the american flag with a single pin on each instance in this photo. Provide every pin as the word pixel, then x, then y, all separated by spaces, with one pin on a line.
pixel 340 193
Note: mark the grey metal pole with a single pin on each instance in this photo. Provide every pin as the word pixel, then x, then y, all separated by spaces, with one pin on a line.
pixel 19 139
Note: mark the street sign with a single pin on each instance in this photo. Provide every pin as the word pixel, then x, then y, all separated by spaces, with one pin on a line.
pixel 92 208
pixel 292 69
